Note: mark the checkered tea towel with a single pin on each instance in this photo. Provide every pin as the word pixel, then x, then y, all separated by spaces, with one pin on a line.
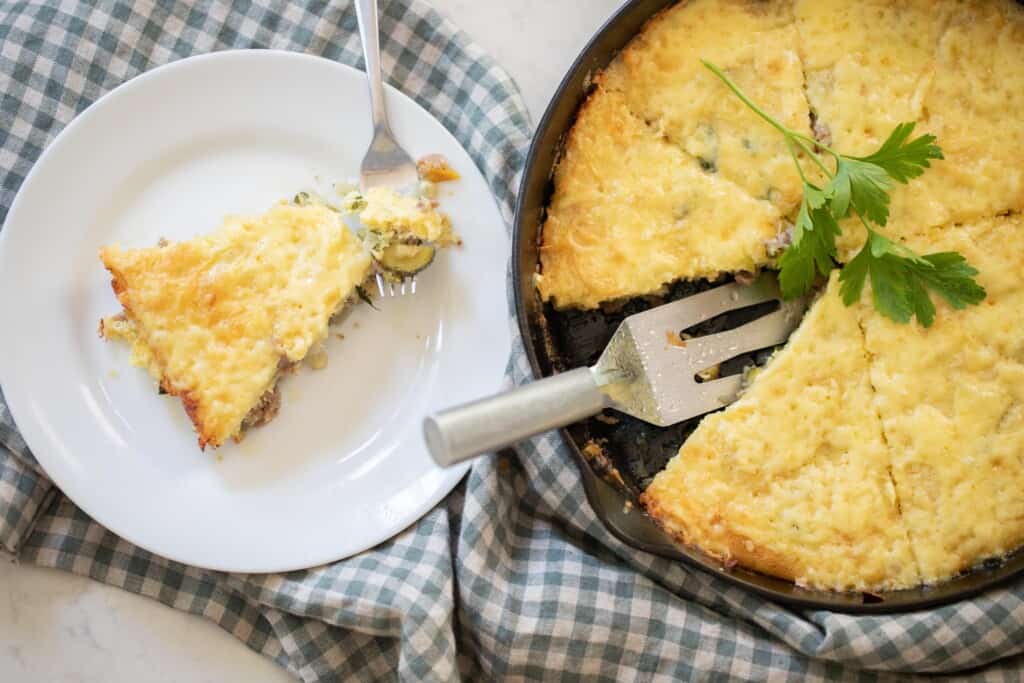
pixel 511 577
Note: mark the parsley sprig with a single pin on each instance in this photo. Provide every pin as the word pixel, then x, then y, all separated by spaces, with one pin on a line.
pixel 900 278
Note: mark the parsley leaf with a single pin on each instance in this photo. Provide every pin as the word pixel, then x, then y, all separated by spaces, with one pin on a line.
pixel 813 198
pixel 901 280
pixel 953 278
pixel 852 277
pixel 364 295
pixel 813 249
pixel 862 186
pixel 863 183
pixel 904 160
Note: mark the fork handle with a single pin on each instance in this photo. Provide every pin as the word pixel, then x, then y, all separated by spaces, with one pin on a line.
pixel 369 33
pixel 456 434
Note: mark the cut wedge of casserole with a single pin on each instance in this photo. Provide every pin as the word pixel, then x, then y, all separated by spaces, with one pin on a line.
pixel 216 319
pixel 792 479
pixel 632 213
pixel 940 409
pixel 951 400
pixel 974 108
pixel 868 65
pixel 954 68
pixel 664 176
pixel 664 83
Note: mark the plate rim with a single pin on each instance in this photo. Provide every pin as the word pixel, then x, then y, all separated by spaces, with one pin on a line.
pixel 29 428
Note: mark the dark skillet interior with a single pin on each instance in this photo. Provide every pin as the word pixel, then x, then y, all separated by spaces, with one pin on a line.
pixel 617 455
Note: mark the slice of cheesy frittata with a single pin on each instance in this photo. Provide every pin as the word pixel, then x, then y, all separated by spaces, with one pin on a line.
pixel 217 318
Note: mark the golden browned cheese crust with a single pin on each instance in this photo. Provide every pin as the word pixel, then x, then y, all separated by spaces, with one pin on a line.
pixel 215 318
pixel 665 175
pixel 633 213
pixel 664 83
pixel 954 68
pixel 792 479
pixel 951 400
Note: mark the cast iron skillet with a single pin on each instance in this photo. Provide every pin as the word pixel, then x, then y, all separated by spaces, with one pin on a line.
pixel 617 461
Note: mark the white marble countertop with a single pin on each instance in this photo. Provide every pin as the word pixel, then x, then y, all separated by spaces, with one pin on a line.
pixel 56 627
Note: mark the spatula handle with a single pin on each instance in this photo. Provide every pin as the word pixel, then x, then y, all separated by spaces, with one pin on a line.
pixel 459 433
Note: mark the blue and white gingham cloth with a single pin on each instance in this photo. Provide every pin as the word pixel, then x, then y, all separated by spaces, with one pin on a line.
pixel 511 577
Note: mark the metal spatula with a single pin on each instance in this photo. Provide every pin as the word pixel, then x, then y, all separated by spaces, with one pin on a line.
pixel 647 370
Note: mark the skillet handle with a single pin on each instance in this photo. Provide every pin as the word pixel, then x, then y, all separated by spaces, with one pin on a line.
pixel 459 433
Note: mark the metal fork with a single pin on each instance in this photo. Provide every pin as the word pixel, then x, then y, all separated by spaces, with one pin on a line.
pixel 647 371
pixel 385 163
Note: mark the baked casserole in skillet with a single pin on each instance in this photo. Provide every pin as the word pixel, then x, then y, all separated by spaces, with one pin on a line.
pixel 867 455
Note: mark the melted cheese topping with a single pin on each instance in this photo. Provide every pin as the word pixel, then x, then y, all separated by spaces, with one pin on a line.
pixel 663 81
pixel 974 107
pixel 387 211
pixel 633 213
pixel 792 479
pixel 957 69
pixel 868 65
pixel 214 317
pixel 951 399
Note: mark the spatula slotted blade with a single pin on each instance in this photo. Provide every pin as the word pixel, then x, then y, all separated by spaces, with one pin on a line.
pixel 650 372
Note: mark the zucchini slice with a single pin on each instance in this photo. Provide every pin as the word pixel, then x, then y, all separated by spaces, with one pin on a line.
pixel 406 259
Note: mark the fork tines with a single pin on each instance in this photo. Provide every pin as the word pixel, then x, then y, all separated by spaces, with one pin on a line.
pixel 407 285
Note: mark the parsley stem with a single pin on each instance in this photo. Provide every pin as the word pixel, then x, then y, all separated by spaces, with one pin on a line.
pixel 816 143
pixel 813 156
pixel 867 227
pixel 875 237
pixel 791 136
pixel 791 146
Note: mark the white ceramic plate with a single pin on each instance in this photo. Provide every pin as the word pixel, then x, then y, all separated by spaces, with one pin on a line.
pixel 168 154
